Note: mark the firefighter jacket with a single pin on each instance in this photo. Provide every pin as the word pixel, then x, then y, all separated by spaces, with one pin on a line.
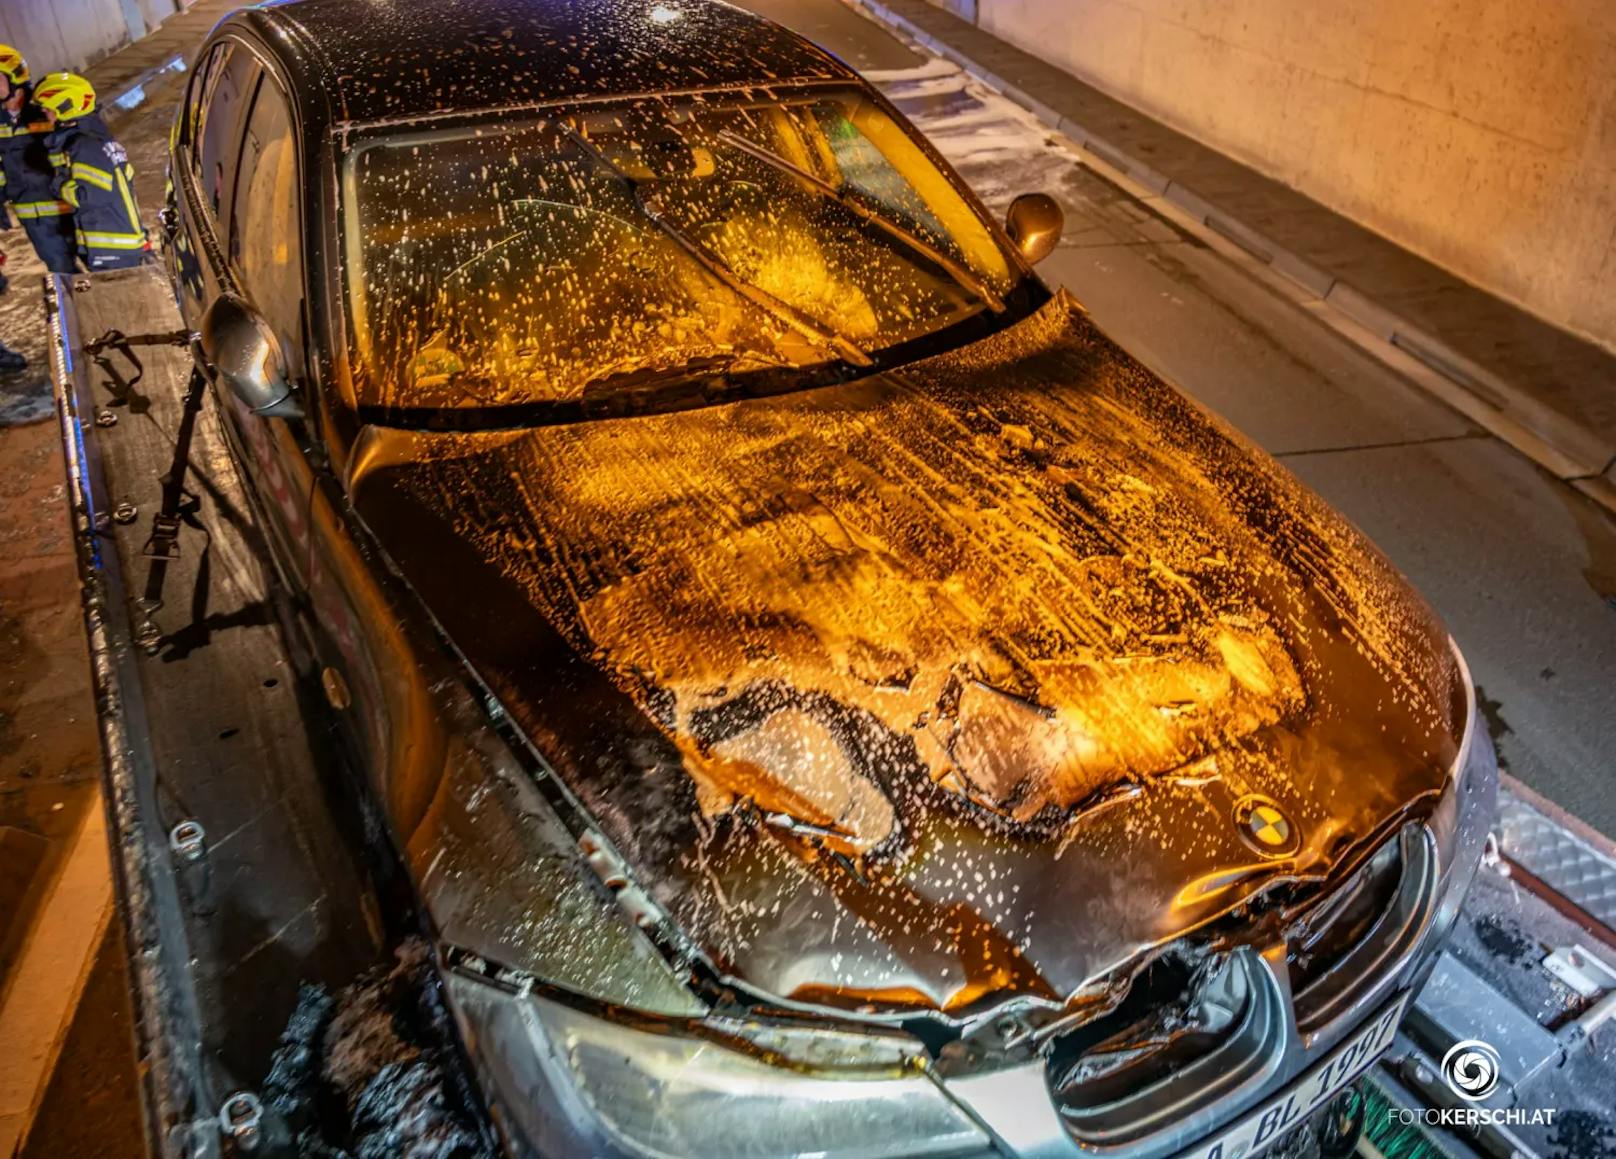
pixel 93 175
pixel 27 176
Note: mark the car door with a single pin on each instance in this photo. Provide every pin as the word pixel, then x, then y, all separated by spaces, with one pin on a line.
pixel 263 243
pixel 240 226
pixel 239 200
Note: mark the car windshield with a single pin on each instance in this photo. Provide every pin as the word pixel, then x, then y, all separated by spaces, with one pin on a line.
pixel 543 261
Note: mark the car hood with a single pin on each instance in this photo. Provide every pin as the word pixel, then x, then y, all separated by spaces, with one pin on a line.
pixel 942 686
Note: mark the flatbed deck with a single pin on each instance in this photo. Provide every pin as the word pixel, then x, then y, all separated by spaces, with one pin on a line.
pixel 204 726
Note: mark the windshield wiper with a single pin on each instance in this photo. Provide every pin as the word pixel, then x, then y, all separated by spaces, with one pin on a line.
pixel 701 382
pixel 697 383
pixel 702 379
pixel 824 336
pixel 651 209
pixel 842 196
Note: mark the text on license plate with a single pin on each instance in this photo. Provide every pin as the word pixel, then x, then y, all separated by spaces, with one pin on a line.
pixel 1270 1122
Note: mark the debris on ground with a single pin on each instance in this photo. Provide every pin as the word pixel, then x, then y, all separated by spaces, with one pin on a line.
pixel 370 1072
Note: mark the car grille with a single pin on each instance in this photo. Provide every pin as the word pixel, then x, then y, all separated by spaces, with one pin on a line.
pixel 1357 933
pixel 1184 1034
pixel 1196 1026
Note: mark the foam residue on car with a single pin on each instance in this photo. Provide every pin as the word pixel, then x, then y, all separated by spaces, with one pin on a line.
pixel 933 653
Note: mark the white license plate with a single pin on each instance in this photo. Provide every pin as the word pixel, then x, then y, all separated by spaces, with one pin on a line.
pixel 1274 1119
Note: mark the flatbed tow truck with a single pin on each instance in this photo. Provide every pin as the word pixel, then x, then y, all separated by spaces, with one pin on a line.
pixel 277 999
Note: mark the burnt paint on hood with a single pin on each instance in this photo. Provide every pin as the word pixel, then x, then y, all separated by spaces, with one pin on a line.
pixel 938 686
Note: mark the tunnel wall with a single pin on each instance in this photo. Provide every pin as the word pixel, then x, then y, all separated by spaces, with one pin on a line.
pixel 1480 134
pixel 70 34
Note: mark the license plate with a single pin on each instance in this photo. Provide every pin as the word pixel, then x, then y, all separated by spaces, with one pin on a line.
pixel 1272 1121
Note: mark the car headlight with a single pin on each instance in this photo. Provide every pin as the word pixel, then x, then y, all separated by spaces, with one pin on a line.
pixel 574 1083
pixel 1472 735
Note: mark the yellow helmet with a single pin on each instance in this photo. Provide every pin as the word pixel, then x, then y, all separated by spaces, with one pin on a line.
pixel 12 66
pixel 66 94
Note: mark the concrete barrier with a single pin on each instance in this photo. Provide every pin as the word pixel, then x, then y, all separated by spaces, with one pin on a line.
pixel 70 34
pixel 1480 135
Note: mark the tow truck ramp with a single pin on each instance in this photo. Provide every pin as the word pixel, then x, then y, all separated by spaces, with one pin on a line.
pixel 248 902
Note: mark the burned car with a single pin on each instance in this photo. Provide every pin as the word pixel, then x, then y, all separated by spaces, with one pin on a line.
pixel 825 696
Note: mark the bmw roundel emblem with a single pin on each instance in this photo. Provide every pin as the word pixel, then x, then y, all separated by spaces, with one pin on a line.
pixel 1265 827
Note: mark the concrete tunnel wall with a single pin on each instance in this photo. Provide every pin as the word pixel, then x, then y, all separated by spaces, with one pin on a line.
pixel 1480 134
pixel 70 34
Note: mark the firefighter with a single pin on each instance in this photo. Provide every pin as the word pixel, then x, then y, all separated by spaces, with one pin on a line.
pixel 26 172
pixel 93 175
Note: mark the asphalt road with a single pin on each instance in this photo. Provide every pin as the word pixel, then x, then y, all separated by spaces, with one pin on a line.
pixel 1521 567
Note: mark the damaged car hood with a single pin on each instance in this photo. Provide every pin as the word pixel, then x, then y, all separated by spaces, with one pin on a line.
pixel 938 687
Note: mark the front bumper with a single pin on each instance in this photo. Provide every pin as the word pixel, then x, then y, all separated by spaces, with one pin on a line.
pixel 529 1059
pixel 1444 853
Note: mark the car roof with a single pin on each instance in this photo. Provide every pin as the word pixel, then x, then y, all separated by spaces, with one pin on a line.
pixel 401 59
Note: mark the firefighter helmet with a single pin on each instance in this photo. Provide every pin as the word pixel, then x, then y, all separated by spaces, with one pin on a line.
pixel 66 94
pixel 12 66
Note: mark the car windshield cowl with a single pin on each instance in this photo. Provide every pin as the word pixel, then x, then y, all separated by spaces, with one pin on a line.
pixel 706 382
pixel 711 381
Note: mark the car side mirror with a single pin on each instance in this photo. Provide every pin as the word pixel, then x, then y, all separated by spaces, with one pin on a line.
pixel 1034 223
pixel 242 350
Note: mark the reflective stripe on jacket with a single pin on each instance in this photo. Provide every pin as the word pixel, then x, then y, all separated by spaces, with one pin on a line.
pixel 100 178
pixel 29 210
